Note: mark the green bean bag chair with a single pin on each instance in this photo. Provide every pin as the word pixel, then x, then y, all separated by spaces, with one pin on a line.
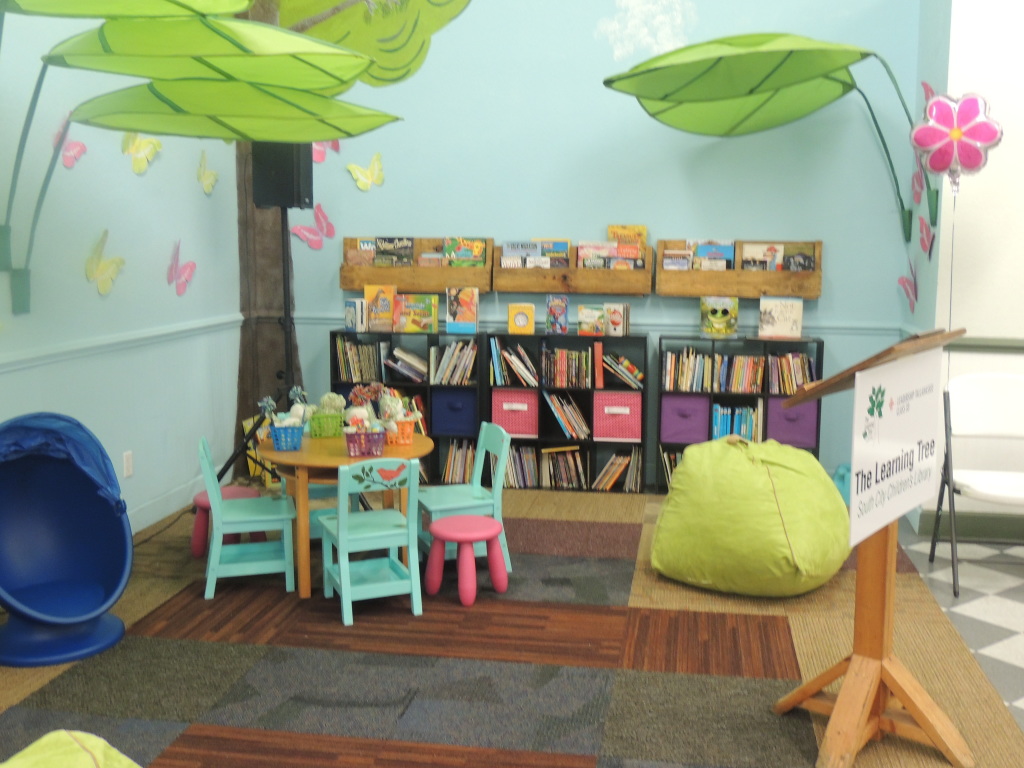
pixel 761 519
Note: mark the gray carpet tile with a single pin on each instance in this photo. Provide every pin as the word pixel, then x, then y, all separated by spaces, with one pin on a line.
pixel 421 699
pixel 149 678
pixel 699 720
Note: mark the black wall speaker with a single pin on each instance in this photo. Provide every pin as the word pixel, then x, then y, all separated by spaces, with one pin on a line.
pixel 282 175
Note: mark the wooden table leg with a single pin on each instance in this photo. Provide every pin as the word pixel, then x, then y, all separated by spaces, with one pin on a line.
pixel 301 537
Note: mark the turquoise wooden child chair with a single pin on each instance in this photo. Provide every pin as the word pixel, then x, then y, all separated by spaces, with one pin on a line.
pixel 246 558
pixel 474 498
pixel 353 530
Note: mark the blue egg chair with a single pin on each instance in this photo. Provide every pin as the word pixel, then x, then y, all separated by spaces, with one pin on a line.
pixel 65 542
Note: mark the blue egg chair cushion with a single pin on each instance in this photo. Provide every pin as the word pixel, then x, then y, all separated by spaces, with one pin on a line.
pixel 65 541
pixel 761 519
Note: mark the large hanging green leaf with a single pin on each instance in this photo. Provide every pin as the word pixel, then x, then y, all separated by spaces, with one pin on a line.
pixel 123 8
pixel 228 110
pixel 396 34
pixel 732 67
pixel 756 112
pixel 210 48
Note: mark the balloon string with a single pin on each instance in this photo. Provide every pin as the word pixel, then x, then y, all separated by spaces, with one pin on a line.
pixel 952 252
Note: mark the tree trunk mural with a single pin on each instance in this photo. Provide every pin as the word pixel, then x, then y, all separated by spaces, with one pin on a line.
pixel 262 257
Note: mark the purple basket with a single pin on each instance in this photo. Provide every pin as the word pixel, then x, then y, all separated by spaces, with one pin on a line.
pixel 365 443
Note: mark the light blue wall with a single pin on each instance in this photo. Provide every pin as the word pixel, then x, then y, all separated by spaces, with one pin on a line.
pixel 507 132
pixel 146 370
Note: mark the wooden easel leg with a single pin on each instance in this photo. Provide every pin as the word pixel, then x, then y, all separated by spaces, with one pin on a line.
pixel 937 728
pixel 807 695
pixel 879 695
pixel 854 720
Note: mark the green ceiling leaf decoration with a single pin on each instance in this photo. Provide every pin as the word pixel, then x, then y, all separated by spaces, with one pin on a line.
pixel 228 110
pixel 734 66
pixel 755 112
pixel 211 48
pixel 111 9
pixel 738 85
pixel 395 34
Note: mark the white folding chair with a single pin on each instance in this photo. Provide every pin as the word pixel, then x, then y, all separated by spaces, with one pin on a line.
pixel 984 406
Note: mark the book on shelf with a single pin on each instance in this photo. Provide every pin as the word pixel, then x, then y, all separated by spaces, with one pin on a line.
pixel 616 316
pixel 590 320
pixel 669 461
pixel 714 255
pixel 555 252
pixel 611 471
pixel 464 251
pixel 380 307
pixel 719 316
pixel 408 364
pixel 415 313
pixel 562 467
pixel 678 259
pixel 568 415
pixel 630 245
pixel 625 371
pixel 521 318
pixel 595 254
pixel 359 257
pixel 393 252
pixel 404 369
pixel 456 364
pixel 520 365
pixel 781 317
pixel 598 365
pixel 556 318
pixel 765 257
pixel 629 234
pixel 355 315
pixel 518 254
pixel 462 309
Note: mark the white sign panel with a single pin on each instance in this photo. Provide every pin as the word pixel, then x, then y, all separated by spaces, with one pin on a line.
pixel 897 441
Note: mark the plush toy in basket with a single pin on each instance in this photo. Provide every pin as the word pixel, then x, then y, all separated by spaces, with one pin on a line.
pixel 399 415
pixel 329 418
pixel 286 429
pixel 362 443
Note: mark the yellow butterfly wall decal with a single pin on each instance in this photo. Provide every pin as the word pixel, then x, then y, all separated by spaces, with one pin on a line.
pixel 365 178
pixel 100 270
pixel 207 178
pixel 142 150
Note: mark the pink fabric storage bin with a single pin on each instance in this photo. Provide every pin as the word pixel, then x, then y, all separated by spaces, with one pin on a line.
pixel 515 410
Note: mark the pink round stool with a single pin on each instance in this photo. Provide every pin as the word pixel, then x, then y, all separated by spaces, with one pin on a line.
pixel 465 530
pixel 201 526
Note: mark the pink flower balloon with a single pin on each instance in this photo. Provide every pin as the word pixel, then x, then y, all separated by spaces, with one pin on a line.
pixel 956 136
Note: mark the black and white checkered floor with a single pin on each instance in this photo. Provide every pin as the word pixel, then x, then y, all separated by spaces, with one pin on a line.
pixel 989 613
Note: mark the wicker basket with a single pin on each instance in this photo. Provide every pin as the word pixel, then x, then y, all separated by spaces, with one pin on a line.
pixel 286 438
pixel 365 443
pixel 404 434
pixel 325 425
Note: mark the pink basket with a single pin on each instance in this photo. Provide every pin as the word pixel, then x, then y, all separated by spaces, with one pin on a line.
pixel 365 443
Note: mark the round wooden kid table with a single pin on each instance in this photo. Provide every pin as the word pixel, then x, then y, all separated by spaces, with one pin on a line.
pixel 317 461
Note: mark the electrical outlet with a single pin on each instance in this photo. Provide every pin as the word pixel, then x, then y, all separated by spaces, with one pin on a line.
pixel 129 467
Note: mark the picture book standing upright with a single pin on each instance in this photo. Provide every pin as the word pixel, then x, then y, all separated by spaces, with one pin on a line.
pixel 461 309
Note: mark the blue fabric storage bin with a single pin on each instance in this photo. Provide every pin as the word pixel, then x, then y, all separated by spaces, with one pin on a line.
pixel 453 412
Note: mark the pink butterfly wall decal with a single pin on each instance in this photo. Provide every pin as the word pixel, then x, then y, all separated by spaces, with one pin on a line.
pixel 320 149
pixel 314 236
pixel 909 285
pixel 927 236
pixel 180 275
pixel 72 151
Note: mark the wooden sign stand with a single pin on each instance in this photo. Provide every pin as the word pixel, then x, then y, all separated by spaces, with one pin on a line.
pixel 879 695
